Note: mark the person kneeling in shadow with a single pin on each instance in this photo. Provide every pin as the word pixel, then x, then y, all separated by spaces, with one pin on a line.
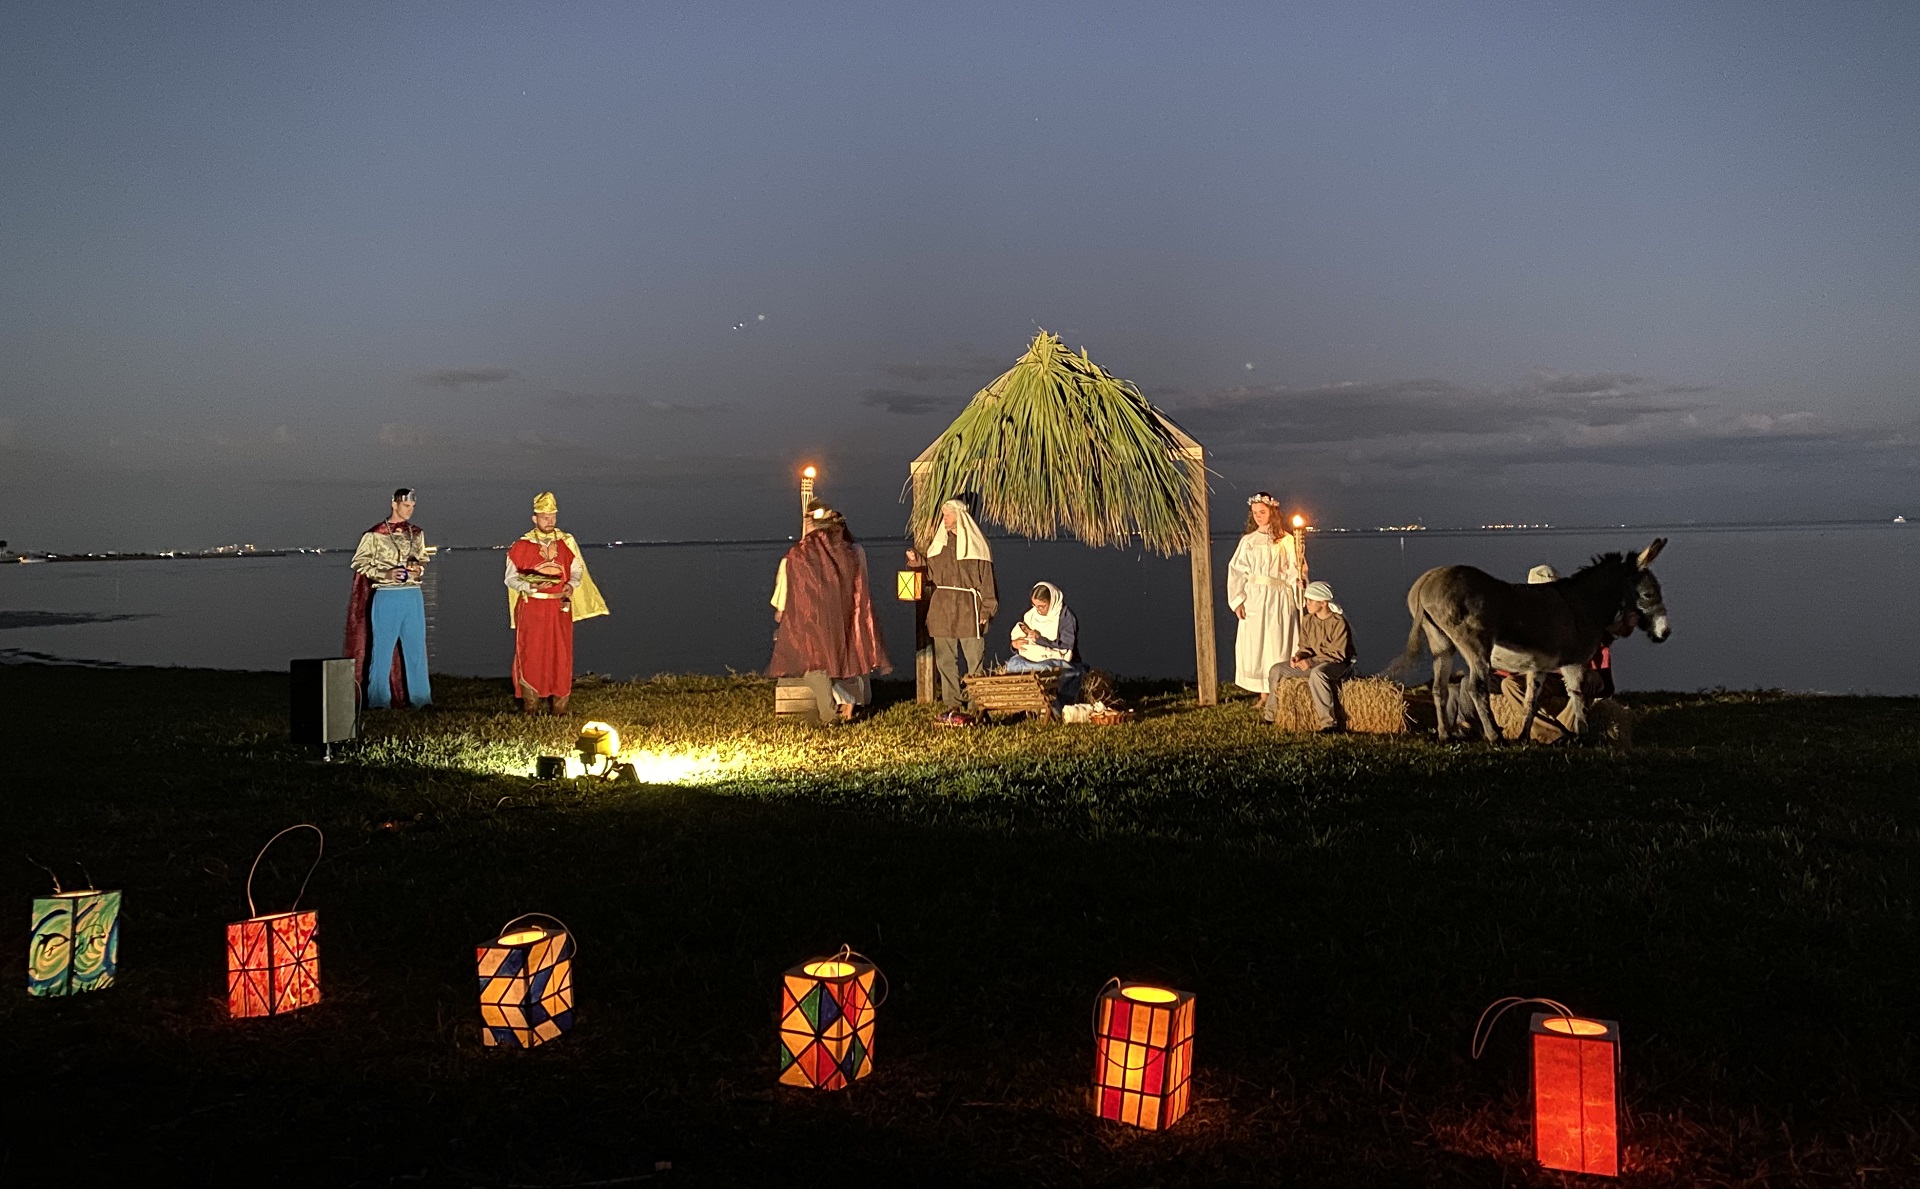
pixel 1324 659
pixel 1045 641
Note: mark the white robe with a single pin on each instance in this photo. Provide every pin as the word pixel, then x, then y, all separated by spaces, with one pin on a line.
pixel 1264 577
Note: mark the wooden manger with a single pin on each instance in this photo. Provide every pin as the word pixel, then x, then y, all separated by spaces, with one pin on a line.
pixel 1369 706
pixel 1012 693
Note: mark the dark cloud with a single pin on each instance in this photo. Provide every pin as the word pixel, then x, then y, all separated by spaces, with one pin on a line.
pixel 1582 385
pixel 977 368
pixel 581 402
pixel 456 378
pixel 910 404
pixel 1349 412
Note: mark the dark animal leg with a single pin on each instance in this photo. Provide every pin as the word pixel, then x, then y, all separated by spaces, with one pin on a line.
pixel 1442 649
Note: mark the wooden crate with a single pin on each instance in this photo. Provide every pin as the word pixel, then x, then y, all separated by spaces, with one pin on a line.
pixel 1009 693
pixel 792 698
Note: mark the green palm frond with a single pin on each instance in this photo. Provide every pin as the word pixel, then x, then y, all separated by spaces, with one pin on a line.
pixel 1058 445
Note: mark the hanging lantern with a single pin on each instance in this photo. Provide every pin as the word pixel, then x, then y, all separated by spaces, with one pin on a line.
pixel 75 943
pixel 827 1012
pixel 526 983
pixel 1576 1106
pixel 912 585
pixel 1143 1054
pixel 273 960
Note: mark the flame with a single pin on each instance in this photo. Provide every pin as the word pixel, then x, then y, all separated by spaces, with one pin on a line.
pixel 808 472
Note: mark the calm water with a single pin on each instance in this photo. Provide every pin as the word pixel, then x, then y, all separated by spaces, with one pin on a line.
pixel 1831 608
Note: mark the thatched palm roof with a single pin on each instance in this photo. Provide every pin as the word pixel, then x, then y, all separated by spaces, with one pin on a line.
pixel 1059 445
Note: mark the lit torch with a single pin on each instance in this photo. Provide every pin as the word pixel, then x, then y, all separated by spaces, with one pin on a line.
pixel 1300 544
pixel 807 474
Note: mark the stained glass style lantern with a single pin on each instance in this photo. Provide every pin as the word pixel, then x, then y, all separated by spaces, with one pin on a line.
pixel 526 982
pixel 912 585
pixel 1576 1073
pixel 1143 1054
pixel 75 943
pixel 827 1013
pixel 273 959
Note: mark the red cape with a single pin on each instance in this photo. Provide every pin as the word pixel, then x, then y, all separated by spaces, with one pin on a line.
pixel 828 624
pixel 359 640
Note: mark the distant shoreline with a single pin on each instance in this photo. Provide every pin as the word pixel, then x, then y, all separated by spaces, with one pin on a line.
pixel 232 554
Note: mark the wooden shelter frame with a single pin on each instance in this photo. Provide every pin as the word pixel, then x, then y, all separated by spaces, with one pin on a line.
pixel 1199 552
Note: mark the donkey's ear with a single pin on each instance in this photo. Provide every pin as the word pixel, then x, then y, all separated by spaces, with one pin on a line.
pixel 1650 552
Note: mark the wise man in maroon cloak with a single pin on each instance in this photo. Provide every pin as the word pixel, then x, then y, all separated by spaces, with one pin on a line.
pixel 824 606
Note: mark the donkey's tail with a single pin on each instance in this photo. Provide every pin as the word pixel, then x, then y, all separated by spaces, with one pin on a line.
pixel 1416 638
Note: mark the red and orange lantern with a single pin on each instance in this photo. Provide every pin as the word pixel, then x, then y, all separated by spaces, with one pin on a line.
pixel 1143 1054
pixel 273 959
pixel 1576 1086
pixel 828 1008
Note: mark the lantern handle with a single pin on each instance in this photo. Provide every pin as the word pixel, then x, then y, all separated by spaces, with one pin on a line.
pixel 573 941
pixel 1483 1030
pixel 886 988
pixel 254 912
pixel 57 889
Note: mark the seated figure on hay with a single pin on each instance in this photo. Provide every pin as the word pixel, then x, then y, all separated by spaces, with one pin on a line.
pixel 1323 659
pixel 1046 641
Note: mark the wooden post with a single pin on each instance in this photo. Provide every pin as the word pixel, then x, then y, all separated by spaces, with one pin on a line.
pixel 922 656
pixel 1200 550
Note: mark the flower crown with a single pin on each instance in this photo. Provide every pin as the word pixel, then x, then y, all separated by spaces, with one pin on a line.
pixel 1261 497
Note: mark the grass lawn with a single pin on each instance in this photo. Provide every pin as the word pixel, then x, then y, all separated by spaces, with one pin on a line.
pixel 1739 890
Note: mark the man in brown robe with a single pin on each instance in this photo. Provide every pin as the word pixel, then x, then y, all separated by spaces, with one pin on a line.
pixel 960 567
pixel 824 606
pixel 1323 660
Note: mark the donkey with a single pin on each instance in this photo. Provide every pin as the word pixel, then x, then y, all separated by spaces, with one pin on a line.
pixel 1532 629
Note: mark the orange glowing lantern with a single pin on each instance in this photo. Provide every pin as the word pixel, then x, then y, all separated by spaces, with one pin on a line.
pixel 827 1014
pixel 1143 1054
pixel 526 983
pixel 1576 1096
pixel 273 959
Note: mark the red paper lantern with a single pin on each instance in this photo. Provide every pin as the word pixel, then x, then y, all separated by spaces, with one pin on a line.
pixel 1576 1086
pixel 1143 1054
pixel 1576 1113
pixel 273 959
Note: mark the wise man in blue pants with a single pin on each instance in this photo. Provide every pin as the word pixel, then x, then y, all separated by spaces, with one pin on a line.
pixel 387 615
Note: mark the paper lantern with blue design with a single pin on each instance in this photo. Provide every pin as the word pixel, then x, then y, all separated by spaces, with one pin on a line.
pixel 827 1013
pixel 526 983
pixel 273 959
pixel 75 943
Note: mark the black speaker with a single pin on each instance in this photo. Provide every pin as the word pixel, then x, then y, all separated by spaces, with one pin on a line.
pixel 323 700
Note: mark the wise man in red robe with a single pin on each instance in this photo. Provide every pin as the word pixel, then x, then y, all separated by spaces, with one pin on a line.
pixel 548 589
pixel 824 606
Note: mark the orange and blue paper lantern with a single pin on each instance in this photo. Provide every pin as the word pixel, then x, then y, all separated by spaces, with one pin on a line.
pixel 827 1015
pixel 526 984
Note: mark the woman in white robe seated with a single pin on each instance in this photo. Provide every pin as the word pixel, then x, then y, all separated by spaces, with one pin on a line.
pixel 1046 641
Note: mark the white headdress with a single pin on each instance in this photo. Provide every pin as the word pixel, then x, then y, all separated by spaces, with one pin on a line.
pixel 971 543
pixel 1323 592
pixel 1542 573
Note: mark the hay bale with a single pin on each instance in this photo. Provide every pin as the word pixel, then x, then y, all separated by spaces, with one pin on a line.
pixel 1607 722
pixel 1370 706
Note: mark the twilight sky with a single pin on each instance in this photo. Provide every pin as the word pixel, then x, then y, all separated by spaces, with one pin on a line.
pixel 1579 263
